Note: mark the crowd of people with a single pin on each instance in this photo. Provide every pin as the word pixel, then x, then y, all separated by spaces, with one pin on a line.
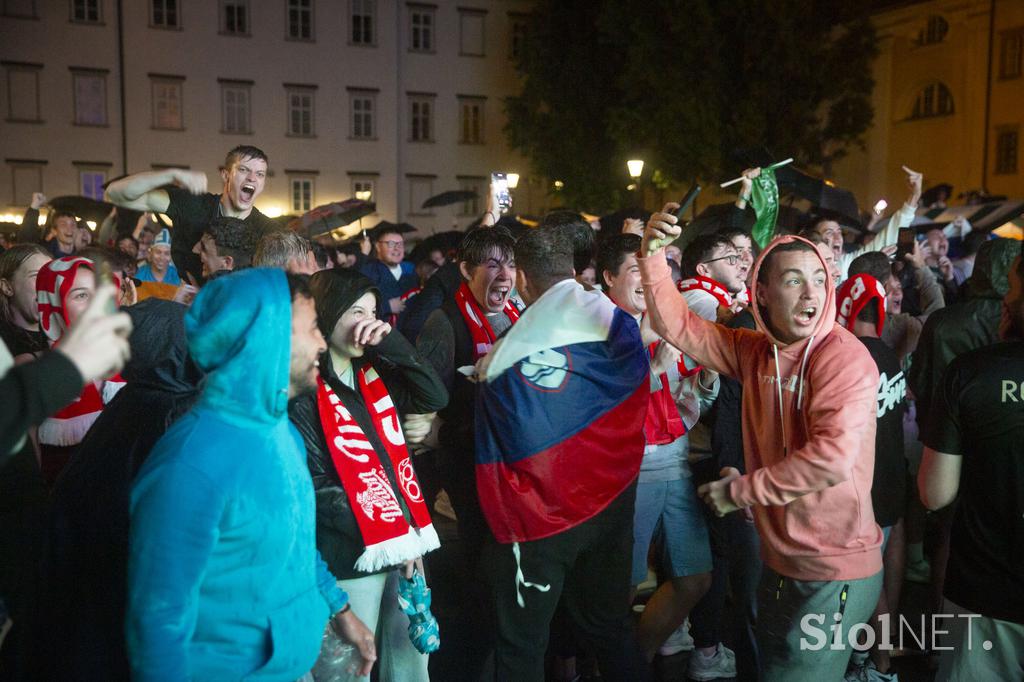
pixel 226 449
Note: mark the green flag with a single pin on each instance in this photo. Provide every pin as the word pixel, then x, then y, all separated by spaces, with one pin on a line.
pixel 764 197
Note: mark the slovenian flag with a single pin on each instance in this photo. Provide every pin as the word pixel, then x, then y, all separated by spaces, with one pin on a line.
pixel 560 414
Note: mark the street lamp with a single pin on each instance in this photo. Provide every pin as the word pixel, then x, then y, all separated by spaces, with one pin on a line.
pixel 636 169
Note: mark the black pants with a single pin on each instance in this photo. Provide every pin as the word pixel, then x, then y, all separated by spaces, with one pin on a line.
pixel 591 565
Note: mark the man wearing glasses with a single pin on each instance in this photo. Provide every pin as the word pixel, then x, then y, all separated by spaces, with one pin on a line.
pixel 713 275
pixel 391 274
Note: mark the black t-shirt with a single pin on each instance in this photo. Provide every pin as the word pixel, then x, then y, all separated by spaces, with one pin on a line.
pixel 978 414
pixel 889 489
pixel 191 213
pixel 21 341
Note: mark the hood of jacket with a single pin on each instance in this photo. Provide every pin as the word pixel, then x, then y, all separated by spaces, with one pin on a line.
pixel 990 278
pixel 159 348
pixel 239 333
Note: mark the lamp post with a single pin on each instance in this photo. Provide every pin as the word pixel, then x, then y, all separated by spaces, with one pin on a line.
pixel 636 169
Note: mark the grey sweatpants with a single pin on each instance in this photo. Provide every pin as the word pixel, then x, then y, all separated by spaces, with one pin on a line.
pixel 982 648
pixel 797 621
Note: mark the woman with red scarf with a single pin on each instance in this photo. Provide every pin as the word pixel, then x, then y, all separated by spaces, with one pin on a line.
pixel 372 520
pixel 64 288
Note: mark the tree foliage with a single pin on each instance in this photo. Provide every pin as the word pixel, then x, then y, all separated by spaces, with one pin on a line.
pixel 687 85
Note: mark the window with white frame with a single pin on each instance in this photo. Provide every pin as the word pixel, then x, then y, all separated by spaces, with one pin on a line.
pixel 471 120
pixel 26 178
pixel 363 188
pixel 421 117
pixel 471 32
pixel 933 100
pixel 22 91
pixel 363 20
pixel 164 14
pixel 934 31
pixel 421 188
pixel 301 101
pixel 300 19
pixel 90 94
pixel 301 193
pixel 478 185
pixel 167 109
pixel 517 24
pixel 362 114
pixel 90 183
pixel 235 107
pixel 86 11
pixel 421 27
pixel 234 17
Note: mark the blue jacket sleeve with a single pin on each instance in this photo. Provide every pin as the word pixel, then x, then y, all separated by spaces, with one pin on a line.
pixel 176 514
pixel 335 597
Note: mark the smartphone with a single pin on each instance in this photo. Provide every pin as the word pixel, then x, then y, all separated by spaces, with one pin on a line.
pixel 880 206
pixel 500 182
pixel 685 202
pixel 905 243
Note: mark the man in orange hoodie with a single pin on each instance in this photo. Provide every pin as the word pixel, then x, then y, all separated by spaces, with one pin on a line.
pixel 809 438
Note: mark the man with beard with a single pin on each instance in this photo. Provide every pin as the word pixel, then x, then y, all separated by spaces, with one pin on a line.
pixel 456 335
pixel 973 449
pixel 224 579
pixel 808 437
pixel 191 207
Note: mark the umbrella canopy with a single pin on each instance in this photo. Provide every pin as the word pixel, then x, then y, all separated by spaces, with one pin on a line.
pixel 379 228
pixel 451 197
pixel 715 217
pixel 445 242
pixel 828 201
pixel 83 207
pixel 328 217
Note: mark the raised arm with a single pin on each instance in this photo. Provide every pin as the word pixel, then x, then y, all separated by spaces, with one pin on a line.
pixel 711 345
pixel 142 192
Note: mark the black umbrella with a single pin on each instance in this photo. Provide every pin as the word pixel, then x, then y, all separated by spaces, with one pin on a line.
pixel 400 228
pixel 456 196
pixel 83 207
pixel 328 217
pixel 829 201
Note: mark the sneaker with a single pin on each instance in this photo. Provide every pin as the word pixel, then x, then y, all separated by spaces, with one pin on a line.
pixel 718 666
pixel 679 641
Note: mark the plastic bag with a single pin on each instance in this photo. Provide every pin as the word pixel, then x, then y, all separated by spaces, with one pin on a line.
pixel 338 660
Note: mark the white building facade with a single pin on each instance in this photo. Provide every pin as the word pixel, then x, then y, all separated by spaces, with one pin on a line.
pixel 404 99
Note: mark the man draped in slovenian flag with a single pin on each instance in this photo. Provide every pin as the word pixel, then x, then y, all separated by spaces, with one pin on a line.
pixel 559 439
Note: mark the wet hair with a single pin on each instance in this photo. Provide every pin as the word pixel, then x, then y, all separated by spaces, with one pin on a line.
pixel 581 232
pixel 874 263
pixel 117 260
pixel 233 238
pixel 385 231
pixel 478 245
pixel 811 228
pixel 298 285
pixel 545 257
pixel 700 250
pixel 731 233
pixel 787 247
pixel 275 249
pixel 612 254
pixel 321 254
pixel 130 238
pixel 51 223
pixel 244 151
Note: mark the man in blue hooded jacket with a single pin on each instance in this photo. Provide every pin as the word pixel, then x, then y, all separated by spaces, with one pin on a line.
pixel 224 580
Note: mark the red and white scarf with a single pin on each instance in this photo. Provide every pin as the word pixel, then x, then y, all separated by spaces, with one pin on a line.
pixel 663 423
pixel 479 328
pixel 855 293
pixel 709 286
pixel 69 425
pixel 388 538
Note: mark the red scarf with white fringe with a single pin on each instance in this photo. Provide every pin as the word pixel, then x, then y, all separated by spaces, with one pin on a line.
pixel 709 286
pixel 388 538
pixel 476 321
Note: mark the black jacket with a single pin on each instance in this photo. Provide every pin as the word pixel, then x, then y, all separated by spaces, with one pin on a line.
pixel 415 388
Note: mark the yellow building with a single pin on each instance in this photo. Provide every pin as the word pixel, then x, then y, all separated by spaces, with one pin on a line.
pixel 948 101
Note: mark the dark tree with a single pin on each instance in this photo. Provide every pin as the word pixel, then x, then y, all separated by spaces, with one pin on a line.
pixel 690 83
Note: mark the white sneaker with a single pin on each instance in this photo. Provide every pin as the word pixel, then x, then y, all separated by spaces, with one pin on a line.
pixel 721 665
pixel 679 641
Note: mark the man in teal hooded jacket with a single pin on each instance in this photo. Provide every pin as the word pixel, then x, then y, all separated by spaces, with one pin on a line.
pixel 224 579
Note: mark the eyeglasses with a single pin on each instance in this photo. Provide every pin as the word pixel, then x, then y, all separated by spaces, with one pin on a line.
pixel 733 259
pixel 392 244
